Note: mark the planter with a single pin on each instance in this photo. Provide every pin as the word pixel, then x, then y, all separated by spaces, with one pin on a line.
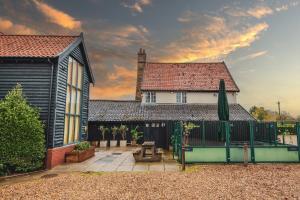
pixel 113 143
pixel 123 143
pixel 133 142
pixel 79 156
pixel 94 143
pixel 103 143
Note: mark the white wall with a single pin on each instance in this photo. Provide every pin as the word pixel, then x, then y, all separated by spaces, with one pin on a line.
pixel 191 97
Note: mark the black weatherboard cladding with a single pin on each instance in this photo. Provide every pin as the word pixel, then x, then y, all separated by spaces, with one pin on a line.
pixel 35 79
pixel 61 96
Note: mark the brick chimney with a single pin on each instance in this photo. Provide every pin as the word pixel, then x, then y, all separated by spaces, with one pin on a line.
pixel 141 63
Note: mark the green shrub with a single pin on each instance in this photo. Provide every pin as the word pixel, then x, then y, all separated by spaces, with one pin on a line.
pixel 3 170
pixel 82 146
pixel 22 138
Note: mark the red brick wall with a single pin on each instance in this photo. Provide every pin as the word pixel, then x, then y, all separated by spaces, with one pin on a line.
pixel 56 156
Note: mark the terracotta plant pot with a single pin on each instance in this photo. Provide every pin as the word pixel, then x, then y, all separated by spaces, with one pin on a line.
pixel 113 143
pixel 123 143
pixel 133 142
pixel 79 156
pixel 103 143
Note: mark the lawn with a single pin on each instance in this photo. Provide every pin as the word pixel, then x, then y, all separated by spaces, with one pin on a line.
pixel 268 181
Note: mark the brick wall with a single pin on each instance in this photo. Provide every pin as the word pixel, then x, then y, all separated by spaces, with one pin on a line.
pixel 56 156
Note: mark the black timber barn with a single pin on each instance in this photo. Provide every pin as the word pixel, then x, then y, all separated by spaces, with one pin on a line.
pixel 55 74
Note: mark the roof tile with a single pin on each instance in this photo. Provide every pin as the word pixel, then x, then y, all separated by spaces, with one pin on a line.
pixel 187 77
pixel 34 45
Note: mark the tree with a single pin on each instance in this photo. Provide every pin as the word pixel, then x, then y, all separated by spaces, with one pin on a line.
pixel 22 138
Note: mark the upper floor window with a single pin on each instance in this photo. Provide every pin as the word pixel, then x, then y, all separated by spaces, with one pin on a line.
pixel 73 101
pixel 150 97
pixel 181 97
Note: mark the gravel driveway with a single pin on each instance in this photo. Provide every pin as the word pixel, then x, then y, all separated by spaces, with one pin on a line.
pixel 198 182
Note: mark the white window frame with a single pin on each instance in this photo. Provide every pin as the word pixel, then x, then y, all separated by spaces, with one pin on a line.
pixel 150 97
pixel 181 97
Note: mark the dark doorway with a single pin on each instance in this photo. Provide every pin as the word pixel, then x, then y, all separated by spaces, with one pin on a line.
pixel 156 132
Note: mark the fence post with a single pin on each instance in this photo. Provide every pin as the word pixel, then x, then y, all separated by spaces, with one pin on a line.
pixel 251 126
pixel 275 133
pixel 298 138
pixel 203 133
pixel 227 131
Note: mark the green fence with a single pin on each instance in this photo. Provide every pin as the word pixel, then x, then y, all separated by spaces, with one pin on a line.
pixel 261 140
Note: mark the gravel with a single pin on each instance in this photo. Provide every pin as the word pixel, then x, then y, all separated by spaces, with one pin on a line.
pixel 264 181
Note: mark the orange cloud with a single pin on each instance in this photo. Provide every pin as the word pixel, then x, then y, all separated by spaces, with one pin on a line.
pixel 123 74
pixel 124 36
pixel 123 84
pixel 199 43
pixel 56 16
pixel 112 92
pixel 260 12
pixel 7 26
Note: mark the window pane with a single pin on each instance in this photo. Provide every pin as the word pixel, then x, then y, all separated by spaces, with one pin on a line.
pixel 77 125
pixel 78 103
pixel 71 132
pixel 184 97
pixel 68 100
pixel 66 130
pixel 74 73
pixel 80 70
pixel 73 101
pixel 148 97
pixel 70 70
pixel 178 97
pixel 153 97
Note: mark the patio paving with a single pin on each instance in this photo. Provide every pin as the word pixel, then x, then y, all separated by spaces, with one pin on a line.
pixel 118 159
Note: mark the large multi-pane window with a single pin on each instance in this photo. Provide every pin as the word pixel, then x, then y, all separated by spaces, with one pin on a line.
pixel 73 101
pixel 181 97
pixel 150 97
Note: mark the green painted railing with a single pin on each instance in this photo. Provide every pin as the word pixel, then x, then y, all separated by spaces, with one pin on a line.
pixel 229 152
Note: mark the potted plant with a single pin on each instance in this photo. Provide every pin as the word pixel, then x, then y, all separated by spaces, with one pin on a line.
pixel 135 135
pixel 187 128
pixel 114 132
pixel 123 129
pixel 103 130
pixel 81 152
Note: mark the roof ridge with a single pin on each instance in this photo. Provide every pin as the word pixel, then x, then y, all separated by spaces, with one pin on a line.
pixel 36 35
pixel 114 100
pixel 185 62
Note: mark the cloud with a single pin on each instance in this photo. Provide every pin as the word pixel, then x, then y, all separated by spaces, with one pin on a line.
pixel 282 8
pixel 122 74
pixel 123 36
pixel 259 12
pixel 8 27
pixel 137 5
pixel 56 16
pixel 251 56
pixel 122 81
pixel 212 40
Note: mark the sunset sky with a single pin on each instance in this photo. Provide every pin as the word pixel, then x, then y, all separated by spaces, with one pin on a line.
pixel 259 40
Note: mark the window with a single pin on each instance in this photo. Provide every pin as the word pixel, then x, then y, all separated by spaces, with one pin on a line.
pixel 73 101
pixel 150 97
pixel 181 97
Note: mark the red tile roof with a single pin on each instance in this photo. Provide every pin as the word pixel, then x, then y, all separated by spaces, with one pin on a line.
pixel 34 45
pixel 187 77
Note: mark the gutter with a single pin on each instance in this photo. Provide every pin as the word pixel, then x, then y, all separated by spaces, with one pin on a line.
pixel 49 106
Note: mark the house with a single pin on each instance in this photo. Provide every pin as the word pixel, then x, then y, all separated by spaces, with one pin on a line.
pixel 55 74
pixel 165 93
